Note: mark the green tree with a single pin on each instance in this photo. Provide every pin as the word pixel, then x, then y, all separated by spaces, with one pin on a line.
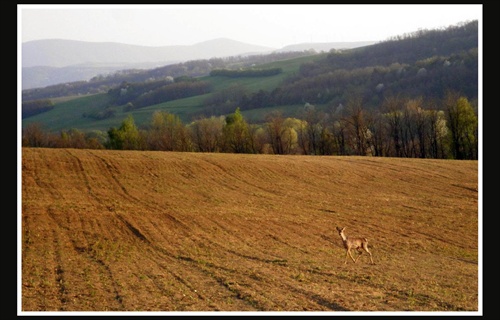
pixel 437 133
pixel 126 137
pixel 462 125
pixel 282 133
pixel 235 133
pixel 73 138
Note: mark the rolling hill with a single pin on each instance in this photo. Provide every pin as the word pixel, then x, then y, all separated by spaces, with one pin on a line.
pixel 116 231
pixel 54 61
pixel 43 76
pixel 428 64
pixel 68 112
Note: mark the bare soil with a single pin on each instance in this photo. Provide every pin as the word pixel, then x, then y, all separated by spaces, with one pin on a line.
pixel 161 231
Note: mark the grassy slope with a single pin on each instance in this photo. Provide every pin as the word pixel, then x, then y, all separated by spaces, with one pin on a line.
pixel 159 231
pixel 68 114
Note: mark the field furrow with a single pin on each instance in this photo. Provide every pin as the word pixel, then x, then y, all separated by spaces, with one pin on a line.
pixel 127 231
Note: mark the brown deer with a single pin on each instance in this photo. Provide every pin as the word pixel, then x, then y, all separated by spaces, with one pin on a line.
pixel 359 244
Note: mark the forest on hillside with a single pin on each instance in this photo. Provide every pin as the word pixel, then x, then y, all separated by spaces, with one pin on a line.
pixel 411 96
pixel 192 68
pixel 406 128
pixel 427 62
pixel 422 64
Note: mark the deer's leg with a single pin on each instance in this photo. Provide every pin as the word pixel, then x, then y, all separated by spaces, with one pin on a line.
pixel 366 249
pixel 350 254
pixel 371 259
pixel 360 253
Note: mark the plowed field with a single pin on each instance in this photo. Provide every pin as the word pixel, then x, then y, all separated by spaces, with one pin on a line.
pixel 161 231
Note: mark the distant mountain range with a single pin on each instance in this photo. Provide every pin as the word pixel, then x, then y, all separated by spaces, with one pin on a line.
pixel 54 61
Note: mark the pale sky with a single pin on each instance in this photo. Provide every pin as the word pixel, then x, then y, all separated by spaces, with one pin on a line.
pixel 272 26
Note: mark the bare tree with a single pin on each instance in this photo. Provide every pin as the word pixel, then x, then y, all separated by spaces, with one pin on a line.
pixel 392 106
pixel 33 135
pixel 275 128
pixel 206 134
pixel 358 129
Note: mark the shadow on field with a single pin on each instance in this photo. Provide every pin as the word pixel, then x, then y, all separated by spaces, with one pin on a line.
pixel 335 241
pixel 320 300
pixel 330 305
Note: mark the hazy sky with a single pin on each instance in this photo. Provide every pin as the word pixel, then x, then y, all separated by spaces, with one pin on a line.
pixel 267 25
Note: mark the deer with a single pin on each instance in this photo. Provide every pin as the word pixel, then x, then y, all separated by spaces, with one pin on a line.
pixel 359 244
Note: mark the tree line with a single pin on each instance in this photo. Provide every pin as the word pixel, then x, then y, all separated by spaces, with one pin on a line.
pixel 413 128
pixel 318 84
pixel 425 63
pixel 252 72
pixel 140 95
pixel 192 68
pixel 31 108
